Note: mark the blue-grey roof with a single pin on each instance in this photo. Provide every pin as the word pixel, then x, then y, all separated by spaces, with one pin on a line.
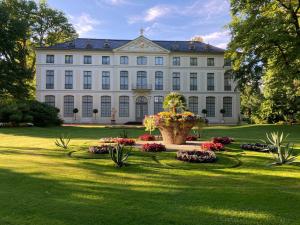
pixel 110 44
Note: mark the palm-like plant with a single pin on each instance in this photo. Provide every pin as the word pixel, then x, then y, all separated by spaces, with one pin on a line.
pixel 175 102
pixel 284 154
pixel 63 141
pixel 118 155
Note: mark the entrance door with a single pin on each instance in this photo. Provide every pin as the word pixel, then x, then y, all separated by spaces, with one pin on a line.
pixel 141 108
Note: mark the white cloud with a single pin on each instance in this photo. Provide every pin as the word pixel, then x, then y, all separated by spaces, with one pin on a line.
pixel 218 38
pixel 84 23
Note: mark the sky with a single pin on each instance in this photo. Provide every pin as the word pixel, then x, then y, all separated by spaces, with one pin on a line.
pixel 160 19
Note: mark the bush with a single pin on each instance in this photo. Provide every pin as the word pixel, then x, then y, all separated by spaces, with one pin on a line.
pixel 101 149
pixel 34 112
pixel 222 140
pixel 191 138
pixel 196 156
pixel 212 146
pixel 153 147
pixel 125 141
pixel 147 137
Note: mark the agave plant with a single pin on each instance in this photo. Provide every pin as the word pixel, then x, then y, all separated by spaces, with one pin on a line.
pixel 63 141
pixel 118 155
pixel 284 154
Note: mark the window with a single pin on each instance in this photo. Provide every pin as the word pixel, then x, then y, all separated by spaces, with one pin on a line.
pixel 50 79
pixel 87 80
pixel 159 60
pixel 105 106
pixel 87 106
pixel 227 82
pixel 87 59
pixel 105 60
pixel 227 62
pixel 124 80
pixel 227 106
pixel 141 80
pixel 193 61
pixel 210 106
pixel 176 61
pixel 193 82
pixel 49 58
pixel 158 104
pixel 159 80
pixel 141 60
pixel 50 100
pixel 210 61
pixel 68 59
pixel 176 81
pixel 105 80
pixel 124 60
pixel 193 104
pixel 210 82
pixel 124 106
pixel 68 105
pixel 68 79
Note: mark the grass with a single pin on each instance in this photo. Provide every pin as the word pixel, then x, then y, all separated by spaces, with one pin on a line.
pixel 42 185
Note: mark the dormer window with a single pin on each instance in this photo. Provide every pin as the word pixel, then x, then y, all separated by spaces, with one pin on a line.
pixel 106 44
pixel 89 46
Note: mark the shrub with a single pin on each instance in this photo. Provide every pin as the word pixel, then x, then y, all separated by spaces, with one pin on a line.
pixel 191 138
pixel 125 141
pixel 118 155
pixel 101 149
pixel 196 156
pixel 147 137
pixel 153 147
pixel 212 146
pixel 222 140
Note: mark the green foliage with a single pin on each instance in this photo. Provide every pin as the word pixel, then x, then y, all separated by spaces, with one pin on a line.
pixel 123 134
pixel 118 155
pixel 265 49
pixel 175 102
pixel 149 123
pixel 199 126
pixel 34 112
pixel 63 141
pixel 284 154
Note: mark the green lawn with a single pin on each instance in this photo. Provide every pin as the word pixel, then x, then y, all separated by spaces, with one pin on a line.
pixel 42 185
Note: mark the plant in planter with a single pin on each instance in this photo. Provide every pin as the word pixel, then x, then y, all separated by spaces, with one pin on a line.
pixel 95 111
pixel 175 124
pixel 153 147
pixel 196 156
pixel 222 111
pixel 147 137
pixel 204 112
pixel 75 111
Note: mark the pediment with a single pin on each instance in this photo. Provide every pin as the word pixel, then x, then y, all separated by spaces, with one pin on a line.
pixel 141 44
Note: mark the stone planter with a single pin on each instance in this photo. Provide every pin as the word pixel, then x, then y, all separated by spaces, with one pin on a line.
pixel 175 132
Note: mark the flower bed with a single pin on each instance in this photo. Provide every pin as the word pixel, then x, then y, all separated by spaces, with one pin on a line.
pixel 196 156
pixel 212 146
pixel 101 149
pixel 258 147
pixel 222 140
pixel 147 137
pixel 125 141
pixel 191 138
pixel 153 147
pixel 107 140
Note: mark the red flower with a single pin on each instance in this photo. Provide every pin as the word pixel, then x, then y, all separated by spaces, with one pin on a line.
pixel 212 146
pixel 222 140
pixel 125 141
pixel 153 147
pixel 191 138
pixel 147 137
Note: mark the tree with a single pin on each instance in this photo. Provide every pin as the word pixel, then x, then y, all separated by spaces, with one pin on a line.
pixel 175 102
pixel 25 25
pixel 266 44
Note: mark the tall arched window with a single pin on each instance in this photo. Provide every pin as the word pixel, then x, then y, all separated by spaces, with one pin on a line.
pixel 50 100
pixel 105 106
pixel 87 106
pixel 211 106
pixel 124 106
pixel 68 105
pixel 158 104
pixel 227 106
pixel 193 104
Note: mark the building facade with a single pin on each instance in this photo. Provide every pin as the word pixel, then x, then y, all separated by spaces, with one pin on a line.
pixel 128 79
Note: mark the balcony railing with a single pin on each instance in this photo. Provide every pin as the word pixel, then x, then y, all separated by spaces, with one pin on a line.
pixel 142 87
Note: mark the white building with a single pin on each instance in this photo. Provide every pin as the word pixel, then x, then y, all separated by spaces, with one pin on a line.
pixel 129 79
